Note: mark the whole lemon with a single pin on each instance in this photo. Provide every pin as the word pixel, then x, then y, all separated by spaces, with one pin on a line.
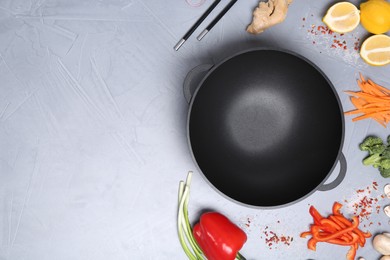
pixel 375 16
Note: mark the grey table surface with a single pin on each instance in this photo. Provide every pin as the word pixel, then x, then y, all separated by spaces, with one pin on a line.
pixel 93 128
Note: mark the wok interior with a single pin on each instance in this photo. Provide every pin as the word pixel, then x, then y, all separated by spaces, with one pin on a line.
pixel 265 128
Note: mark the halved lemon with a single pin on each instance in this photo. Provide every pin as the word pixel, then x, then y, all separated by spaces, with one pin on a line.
pixel 375 50
pixel 342 17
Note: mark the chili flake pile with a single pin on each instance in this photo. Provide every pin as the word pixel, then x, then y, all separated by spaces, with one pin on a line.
pixel 272 239
pixel 365 203
pixel 337 45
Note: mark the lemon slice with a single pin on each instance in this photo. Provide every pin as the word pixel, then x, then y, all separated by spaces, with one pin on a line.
pixel 342 17
pixel 375 50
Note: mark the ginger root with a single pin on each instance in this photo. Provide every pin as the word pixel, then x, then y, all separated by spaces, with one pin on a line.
pixel 268 14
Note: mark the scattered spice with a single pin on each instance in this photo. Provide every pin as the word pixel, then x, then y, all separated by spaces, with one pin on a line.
pixel 336 40
pixel 365 203
pixel 272 239
pixel 344 46
pixel 248 223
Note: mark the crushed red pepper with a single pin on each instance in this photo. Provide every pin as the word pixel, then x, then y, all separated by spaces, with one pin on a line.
pixel 272 239
pixel 334 40
pixel 365 203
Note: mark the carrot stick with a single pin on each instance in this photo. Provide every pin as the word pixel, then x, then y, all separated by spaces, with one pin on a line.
pixel 366 96
pixel 372 101
pixel 368 115
pixel 364 110
pixel 358 102
pixel 361 77
pixel 384 90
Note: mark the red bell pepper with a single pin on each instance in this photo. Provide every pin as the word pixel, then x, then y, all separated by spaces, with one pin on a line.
pixel 218 237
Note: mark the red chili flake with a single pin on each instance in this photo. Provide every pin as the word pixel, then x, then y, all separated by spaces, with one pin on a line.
pixel 273 239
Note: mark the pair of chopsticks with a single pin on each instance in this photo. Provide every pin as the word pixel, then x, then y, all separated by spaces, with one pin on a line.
pixel 201 19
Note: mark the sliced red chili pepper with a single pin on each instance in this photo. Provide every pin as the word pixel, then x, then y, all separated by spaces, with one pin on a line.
pixel 341 224
pixel 305 234
pixel 343 220
pixel 336 229
pixel 330 224
pixel 337 241
pixel 336 208
pixel 315 214
pixel 352 252
pixel 312 244
pixel 355 224
pixel 336 220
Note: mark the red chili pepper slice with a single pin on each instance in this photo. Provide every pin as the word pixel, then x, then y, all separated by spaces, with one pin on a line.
pixel 312 244
pixel 336 229
pixel 352 252
pixel 315 214
pixel 355 224
pixel 336 208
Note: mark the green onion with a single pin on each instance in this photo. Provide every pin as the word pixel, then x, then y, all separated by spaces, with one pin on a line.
pixel 186 238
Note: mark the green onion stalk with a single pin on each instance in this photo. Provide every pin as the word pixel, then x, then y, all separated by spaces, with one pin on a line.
pixel 186 238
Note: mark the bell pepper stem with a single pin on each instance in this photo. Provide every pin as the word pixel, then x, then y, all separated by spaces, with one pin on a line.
pixel 240 256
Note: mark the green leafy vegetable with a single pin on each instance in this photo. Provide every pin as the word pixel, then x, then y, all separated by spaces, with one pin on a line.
pixel 378 154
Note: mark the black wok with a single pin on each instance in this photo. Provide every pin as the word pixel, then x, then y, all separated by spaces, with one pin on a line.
pixel 265 127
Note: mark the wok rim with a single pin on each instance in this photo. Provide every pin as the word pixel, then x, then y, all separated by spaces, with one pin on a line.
pixel 339 152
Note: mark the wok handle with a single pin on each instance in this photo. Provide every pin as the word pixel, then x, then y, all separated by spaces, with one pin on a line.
pixel 193 78
pixel 339 178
